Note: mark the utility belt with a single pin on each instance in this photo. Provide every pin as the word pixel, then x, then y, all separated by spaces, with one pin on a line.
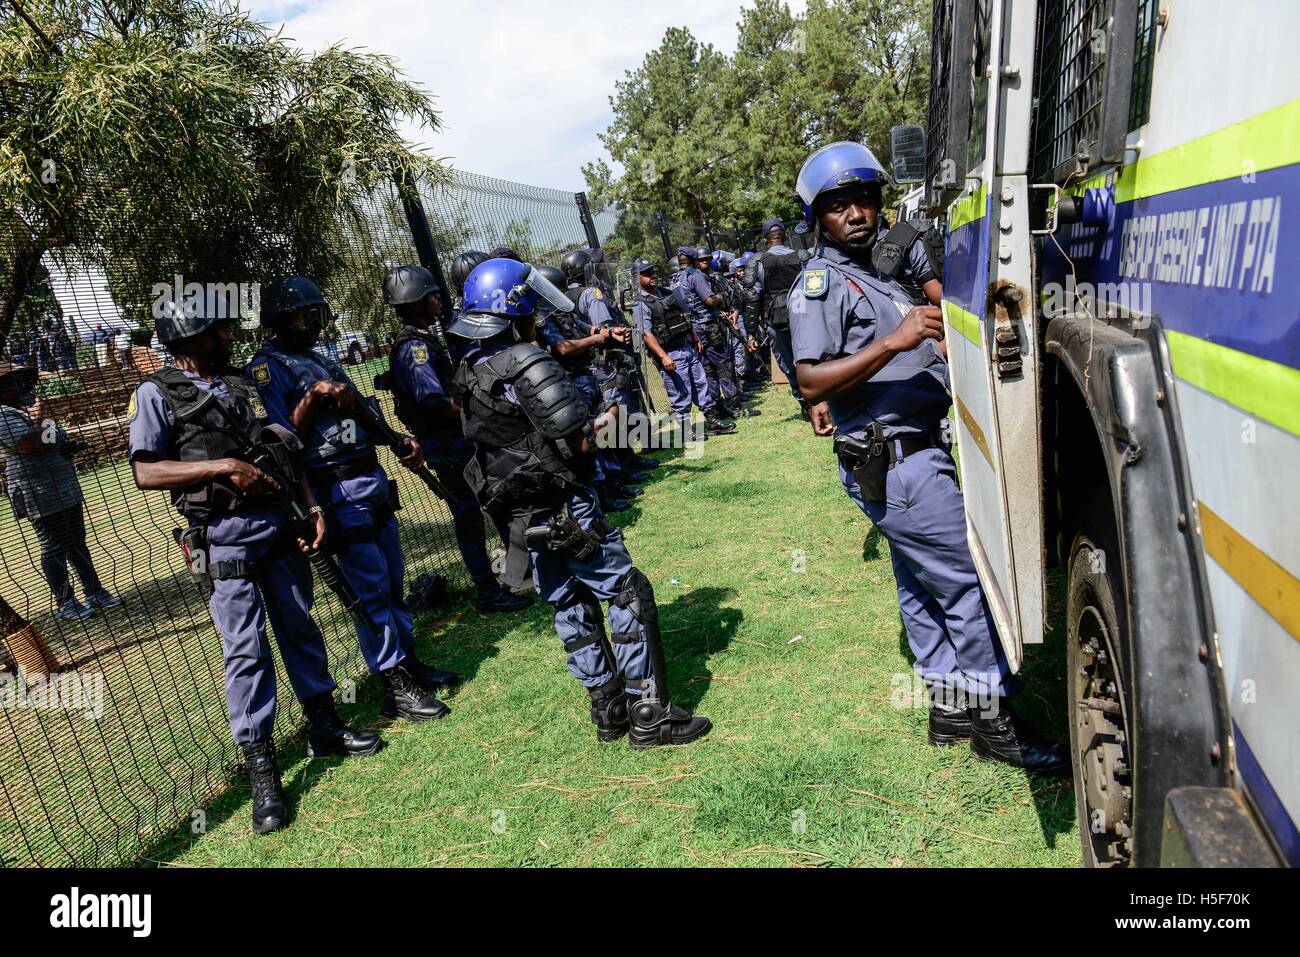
pixel 671 344
pixel 871 457
pixel 204 572
pixel 355 468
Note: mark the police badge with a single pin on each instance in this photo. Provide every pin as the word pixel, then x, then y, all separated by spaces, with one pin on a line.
pixel 419 353
pixel 261 373
pixel 815 282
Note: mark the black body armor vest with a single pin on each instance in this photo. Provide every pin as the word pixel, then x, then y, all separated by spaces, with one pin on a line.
pixel 668 323
pixel 208 427
pixel 514 467
pixel 780 272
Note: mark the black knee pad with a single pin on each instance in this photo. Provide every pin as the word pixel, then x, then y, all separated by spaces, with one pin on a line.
pixel 637 595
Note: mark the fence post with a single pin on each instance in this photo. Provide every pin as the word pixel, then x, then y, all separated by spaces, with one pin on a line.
pixel 422 236
pixel 662 223
pixel 588 224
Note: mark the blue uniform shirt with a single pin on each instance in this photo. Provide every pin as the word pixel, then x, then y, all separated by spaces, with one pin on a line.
pixel 283 378
pixel 417 377
pixel 692 289
pixel 839 307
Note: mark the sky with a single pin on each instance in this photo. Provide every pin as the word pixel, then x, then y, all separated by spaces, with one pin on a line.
pixel 523 86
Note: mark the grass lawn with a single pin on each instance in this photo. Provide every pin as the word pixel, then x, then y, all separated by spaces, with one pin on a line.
pixel 781 620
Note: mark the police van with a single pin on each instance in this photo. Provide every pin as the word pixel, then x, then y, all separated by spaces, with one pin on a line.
pixel 1120 300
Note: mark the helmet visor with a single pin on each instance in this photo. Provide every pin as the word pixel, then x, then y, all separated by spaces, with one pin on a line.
pixel 550 298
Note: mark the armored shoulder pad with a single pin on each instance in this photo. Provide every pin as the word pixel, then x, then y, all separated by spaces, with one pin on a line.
pixel 545 392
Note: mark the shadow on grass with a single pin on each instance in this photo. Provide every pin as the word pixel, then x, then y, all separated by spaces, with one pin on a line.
pixel 1042 704
pixel 694 627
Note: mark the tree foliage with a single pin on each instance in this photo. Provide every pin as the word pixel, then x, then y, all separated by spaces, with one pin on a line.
pixel 701 135
pixel 154 137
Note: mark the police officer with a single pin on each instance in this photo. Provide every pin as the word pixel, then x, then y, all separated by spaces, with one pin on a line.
pixel 697 298
pixel 768 280
pixel 745 347
pixel 312 396
pixel 866 347
pixel 419 375
pixel 574 337
pixel 461 267
pixel 536 435
pixel 672 341
pixel 619 364
pixel 195 428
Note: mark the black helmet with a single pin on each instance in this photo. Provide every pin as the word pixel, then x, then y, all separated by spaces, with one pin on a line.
pixel 463 266
pixel 200 308
pixel 407 284
pixel 296 309
pixel 288 294
pixel 553 274
pixel 703 252
pixel 574 265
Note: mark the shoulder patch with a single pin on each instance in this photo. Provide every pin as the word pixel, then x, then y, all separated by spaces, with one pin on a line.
pixel 132 408
pixel 815 282
pixel 261 373
pixel 597 293
pixel 419 353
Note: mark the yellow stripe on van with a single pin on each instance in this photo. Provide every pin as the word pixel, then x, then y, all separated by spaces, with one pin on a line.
pixel 1274 588
pixel 966 323
pixel 1266 389
pixel 1262 142
pixel 969 208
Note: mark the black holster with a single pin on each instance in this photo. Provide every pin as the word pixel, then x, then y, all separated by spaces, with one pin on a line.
pixel 564 535
pixel 194 543
pixel 868 459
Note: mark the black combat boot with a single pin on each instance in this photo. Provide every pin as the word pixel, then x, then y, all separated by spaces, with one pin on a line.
pixel 950 715
pixel 608 503
pixel 609 710
pixel 716 426
pixel 645 463
pixel 948 725
pixel 654 723
pixel 493 598
pixel 269 811
pixel 429 677
pixel 328 735
pixel 998 735
pixel 405 697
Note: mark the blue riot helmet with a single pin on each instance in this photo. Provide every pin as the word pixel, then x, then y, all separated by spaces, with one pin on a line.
pixel 296 309
pixel 835 167
pixel 499 291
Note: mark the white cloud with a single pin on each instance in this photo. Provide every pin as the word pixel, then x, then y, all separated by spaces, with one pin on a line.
pixel 523 87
